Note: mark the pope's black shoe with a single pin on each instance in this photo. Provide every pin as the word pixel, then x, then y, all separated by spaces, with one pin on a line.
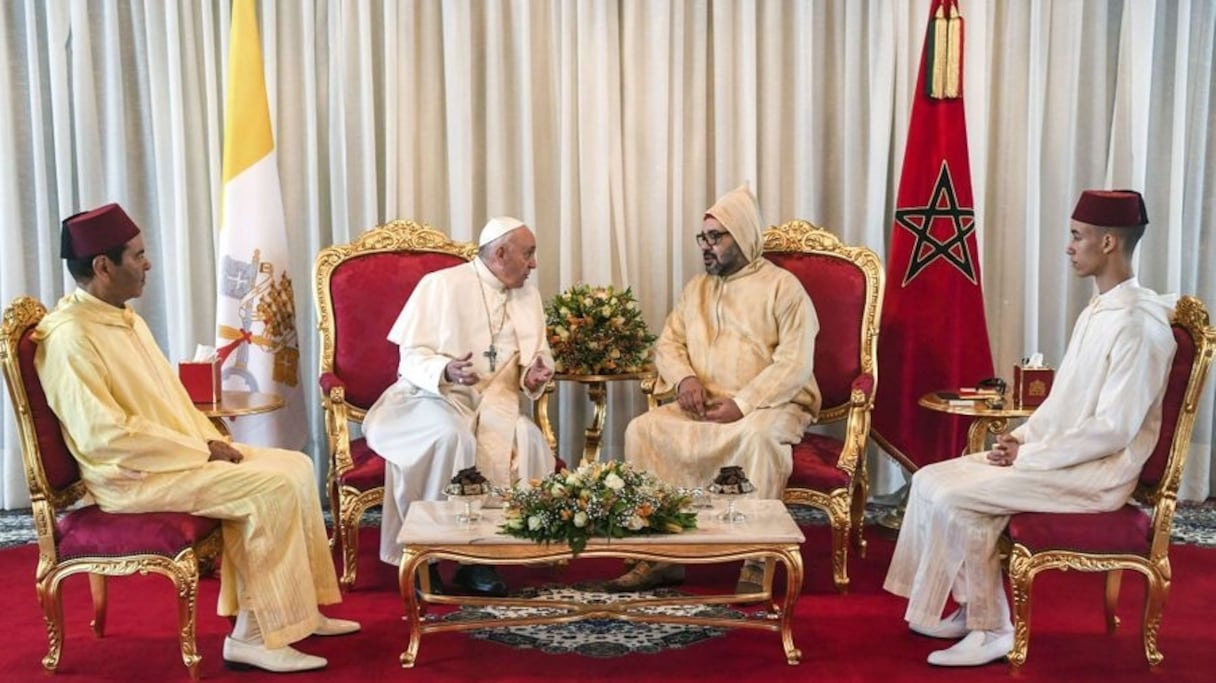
pixel 480 579
pixel 432 570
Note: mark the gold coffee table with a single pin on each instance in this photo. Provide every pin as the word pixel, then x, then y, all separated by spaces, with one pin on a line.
pixel 431 532
pixel 985 420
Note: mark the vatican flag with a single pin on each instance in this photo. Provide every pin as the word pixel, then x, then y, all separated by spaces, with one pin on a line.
pixel 255 307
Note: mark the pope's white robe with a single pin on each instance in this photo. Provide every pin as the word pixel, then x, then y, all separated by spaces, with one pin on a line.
pixel 142 447
pixel 751 337
pixel 426 428
pixel 1081 451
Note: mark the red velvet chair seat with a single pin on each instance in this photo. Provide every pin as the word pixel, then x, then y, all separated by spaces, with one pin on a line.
pixel 368 472
pixel 90 531
pixel 1126 530
pixel 815 459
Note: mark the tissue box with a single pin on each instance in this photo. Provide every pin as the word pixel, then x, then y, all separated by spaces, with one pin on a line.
pixel 201 379
pixel 1031 385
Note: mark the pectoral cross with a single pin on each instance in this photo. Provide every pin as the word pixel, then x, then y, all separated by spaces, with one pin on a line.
pixel 492 354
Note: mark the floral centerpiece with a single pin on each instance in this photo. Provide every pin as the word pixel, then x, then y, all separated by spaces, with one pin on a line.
pixel 609 499
pixel 597 331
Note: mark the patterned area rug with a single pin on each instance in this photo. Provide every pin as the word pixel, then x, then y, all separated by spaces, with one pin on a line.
pixel 595 637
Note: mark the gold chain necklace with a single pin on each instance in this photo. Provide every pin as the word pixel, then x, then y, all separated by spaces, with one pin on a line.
pixel 491 353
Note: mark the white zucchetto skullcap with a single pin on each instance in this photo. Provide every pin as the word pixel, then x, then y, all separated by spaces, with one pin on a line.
pixel 497 227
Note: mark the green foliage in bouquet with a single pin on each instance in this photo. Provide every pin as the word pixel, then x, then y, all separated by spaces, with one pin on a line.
pixel 597 331
pixel 611 500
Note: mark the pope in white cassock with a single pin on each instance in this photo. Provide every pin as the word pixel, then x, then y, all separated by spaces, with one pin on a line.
pixel 143 447
pixel 1081 451
pixel 738 349
pixel 472 337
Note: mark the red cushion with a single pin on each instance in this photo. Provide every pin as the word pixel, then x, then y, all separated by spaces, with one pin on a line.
pixel 815 459
pixel 1126 530
pixel 92 532
pixel 838 289
pixel 368 293
pixel 57 461
pixel 1171 405
pixel 368 472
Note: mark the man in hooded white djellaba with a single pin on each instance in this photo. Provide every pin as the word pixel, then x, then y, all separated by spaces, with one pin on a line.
pixel 1081 451
pixel 471 337
pixel 738 349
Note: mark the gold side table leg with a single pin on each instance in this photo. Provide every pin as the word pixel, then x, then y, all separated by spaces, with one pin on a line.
pixel 598 393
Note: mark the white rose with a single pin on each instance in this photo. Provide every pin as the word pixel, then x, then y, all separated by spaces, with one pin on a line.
pixel 614 482
pixel 635 523
pixel 557 491
pixel 580 519
pixel 533 523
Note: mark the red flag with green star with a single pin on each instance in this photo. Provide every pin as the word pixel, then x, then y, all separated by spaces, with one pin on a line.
pixel 933 335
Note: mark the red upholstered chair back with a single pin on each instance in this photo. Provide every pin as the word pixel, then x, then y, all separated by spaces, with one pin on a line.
pixel 50 468
pixel 845 284
pixel 1171 405
pixel 361 288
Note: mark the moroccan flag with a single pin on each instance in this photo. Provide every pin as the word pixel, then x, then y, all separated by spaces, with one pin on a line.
pixel 255 308
pixel 933 332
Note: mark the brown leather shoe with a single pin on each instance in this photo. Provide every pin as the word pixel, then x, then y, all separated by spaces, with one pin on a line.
pixel 645 576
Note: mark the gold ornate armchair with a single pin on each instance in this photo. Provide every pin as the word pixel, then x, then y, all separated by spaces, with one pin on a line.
pixel 76 539
pixel 360 289
pixel 1136 536
pixel 846 285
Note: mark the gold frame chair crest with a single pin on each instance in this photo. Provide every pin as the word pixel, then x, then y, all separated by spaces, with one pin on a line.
pixel 1024 564
pixel 182 570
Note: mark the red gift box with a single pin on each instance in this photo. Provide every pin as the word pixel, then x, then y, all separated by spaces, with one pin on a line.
pixel 1031 385
pixel 202 380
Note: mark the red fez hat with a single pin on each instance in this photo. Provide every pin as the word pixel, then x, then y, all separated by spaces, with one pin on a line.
pixel 1111 208
pixel 90 233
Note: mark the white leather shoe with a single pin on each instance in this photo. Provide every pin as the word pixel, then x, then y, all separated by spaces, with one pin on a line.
pixel 336 627
pixel 239 655
pixel 952 627
pixel 976 649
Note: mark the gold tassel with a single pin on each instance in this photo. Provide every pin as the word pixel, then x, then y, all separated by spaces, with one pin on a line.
pixel 954 55
pixel 938 56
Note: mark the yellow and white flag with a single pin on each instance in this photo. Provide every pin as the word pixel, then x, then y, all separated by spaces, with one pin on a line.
pixel 255 308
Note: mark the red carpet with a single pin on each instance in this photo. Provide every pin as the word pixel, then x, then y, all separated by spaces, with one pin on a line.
pixel 857 637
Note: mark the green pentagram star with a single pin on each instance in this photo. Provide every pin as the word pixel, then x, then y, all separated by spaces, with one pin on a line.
pixel 943 204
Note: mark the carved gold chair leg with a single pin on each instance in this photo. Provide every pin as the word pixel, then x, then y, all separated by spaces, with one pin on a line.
pixel 1154 603
pixel 335 511
pixel 861 493
pixel 97 588
pixel 52 615
pixel 185 580
pixel 1114 579
pixel 840 553
pixel 348 529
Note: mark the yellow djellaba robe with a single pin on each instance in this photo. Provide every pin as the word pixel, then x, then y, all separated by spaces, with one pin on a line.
pixel 142 446
pixel 749 337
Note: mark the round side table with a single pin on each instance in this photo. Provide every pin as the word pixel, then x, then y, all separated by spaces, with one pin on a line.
pixel 234 403
pixel 985 420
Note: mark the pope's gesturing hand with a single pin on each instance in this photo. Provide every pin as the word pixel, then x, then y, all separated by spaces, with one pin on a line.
pixel 460 371
pixel 538 373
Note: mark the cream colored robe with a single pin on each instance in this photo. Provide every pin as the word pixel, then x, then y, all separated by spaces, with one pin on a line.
pixel 1081 451
pixel 750 337
pixel 426 428
pixel 142 446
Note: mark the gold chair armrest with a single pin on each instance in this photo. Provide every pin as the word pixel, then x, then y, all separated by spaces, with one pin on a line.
pixel 540 415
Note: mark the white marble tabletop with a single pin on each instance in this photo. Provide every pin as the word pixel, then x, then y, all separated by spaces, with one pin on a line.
pixel 768 521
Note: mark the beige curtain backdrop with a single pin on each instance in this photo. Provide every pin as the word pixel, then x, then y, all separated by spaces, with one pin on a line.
pixel 608 126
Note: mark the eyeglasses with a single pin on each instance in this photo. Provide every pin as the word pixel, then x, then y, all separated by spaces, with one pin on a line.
pixel 711 238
